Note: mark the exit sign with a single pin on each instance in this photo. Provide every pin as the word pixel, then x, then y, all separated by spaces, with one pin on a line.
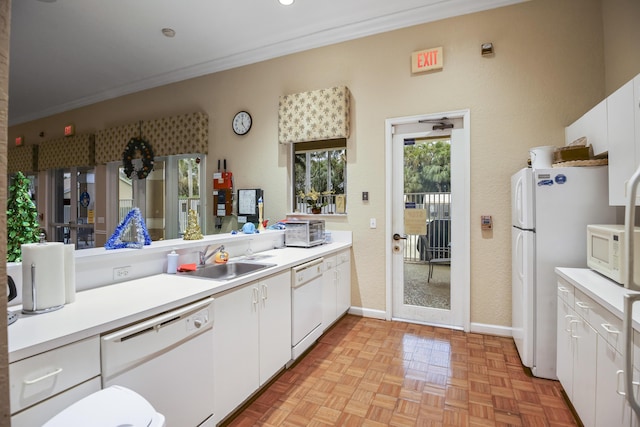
pixel 426 60
pixel 69 130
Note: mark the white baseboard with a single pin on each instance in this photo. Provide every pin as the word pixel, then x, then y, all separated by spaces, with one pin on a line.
pixel 476 328
pixel 368 312
pixel 482 328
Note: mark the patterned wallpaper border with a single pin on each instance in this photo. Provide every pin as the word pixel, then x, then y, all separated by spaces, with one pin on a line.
pixel 22 159
pixel 185 134
pixel 66 152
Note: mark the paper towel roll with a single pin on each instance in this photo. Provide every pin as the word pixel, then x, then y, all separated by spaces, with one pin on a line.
pixel 69 273
pixel 48 259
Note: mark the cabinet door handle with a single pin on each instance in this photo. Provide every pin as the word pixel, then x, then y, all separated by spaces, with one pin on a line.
pixel 618 375
pixel 44 377
pixel 255 295
pixel 583 305
pixel 265 293
pixel 563 289
pixel 571 328
pixel 607 327
pixel 568 316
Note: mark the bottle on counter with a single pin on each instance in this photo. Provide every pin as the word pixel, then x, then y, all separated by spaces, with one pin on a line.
pixel 172 262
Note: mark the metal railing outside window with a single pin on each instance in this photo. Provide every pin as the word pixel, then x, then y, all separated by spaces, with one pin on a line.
pixel 438 207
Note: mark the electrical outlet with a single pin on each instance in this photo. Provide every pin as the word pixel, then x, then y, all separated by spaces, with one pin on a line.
pixel 121 273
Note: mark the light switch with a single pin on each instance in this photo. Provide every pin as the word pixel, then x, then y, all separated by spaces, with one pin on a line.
pixel 365 196
pixel 372 223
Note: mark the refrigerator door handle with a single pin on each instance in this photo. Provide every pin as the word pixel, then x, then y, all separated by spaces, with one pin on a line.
pixel 519 255
pixel 519 201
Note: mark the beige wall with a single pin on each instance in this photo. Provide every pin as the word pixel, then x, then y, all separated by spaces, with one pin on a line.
pixel 621 41
pixel 548 70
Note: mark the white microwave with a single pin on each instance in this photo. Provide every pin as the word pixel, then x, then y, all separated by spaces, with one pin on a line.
pixel 605 252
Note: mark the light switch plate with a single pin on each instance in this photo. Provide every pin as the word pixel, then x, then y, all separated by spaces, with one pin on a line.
pixel 372 223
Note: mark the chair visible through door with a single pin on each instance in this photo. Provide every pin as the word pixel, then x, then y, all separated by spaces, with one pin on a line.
pixel 435 246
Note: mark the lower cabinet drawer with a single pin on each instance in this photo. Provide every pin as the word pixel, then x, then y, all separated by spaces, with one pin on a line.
pixel 38 414
pixel 608 326
pixel 37 378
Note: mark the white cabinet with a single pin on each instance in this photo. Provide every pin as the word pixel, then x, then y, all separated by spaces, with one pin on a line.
pixel 584 361
pixel 593 126
pixel 576 353
pixel 589 359
pixel 252 339
pixel 45 384
pixel 612 407
pixel 565 342
pixel 336 287
pixel 329 291
pixel 623 118
pixel 343 267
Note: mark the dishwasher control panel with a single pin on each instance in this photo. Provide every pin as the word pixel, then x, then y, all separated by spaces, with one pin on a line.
pixel 302 274
pixel 197 320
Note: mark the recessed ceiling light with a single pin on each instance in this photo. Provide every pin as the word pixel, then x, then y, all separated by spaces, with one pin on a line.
pixel 286 2
pixel 168 32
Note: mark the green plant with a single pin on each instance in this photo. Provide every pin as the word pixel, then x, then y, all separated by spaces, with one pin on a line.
pixel 315 199
pixel 22 218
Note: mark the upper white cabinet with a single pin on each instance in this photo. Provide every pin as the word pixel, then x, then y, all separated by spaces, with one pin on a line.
pixel 623 117
pixel 593 126
pixel 614 126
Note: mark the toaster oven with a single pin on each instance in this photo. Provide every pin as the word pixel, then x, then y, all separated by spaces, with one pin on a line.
pixel 304 233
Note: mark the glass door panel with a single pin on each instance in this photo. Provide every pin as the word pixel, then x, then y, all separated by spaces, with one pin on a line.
pixel 73 202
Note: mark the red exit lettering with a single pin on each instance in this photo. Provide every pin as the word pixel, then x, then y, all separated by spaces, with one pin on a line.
pixel 427 59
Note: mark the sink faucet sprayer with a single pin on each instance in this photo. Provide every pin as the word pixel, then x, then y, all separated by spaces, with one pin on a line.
pixel 203 254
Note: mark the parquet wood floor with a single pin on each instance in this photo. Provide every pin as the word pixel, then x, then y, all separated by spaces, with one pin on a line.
pixel 373 373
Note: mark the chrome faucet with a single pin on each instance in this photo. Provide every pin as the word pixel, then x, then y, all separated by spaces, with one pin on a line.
pixel 203 254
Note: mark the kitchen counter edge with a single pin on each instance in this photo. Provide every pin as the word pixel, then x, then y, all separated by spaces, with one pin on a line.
pixel 111 307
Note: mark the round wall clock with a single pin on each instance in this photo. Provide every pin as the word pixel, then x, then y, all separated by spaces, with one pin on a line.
pixel 242 123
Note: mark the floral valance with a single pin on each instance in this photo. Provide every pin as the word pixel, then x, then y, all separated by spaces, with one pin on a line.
pixel 67 152
pixel 183 134
pixel 316 115
pixel 22 159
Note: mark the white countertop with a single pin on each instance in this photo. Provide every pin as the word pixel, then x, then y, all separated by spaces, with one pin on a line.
pixel 604 291
pixel 106 308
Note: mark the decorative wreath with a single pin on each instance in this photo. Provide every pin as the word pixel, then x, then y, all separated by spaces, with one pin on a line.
pixel 137 144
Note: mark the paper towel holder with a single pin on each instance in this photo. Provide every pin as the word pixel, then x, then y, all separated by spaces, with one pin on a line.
pixel 34 293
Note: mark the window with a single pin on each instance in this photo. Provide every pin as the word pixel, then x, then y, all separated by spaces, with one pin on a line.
pixel 166 195
pixel 320 176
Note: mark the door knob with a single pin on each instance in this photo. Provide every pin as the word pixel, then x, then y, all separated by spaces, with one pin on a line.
pixel 399 237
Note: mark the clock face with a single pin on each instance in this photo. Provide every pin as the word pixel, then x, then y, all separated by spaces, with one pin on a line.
pixel 242 123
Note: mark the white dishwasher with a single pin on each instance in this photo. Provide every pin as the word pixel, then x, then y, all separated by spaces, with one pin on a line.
pixel 306 306
pixel 168 360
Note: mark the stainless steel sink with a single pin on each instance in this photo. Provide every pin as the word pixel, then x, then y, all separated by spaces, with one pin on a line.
pixel 228 271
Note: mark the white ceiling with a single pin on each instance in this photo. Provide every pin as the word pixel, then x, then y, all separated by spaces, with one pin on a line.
pixel 70 53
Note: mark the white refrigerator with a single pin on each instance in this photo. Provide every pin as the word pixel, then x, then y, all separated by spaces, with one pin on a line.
pixel 550 212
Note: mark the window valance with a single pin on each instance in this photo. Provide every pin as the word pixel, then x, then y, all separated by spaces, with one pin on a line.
pixel 316 115
pixel 22 159
pixel 185 134
pixel 67 152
